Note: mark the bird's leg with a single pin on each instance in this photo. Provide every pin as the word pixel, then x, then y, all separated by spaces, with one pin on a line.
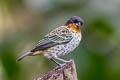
pixel 52 59
pixel 61 59
pixel 64 78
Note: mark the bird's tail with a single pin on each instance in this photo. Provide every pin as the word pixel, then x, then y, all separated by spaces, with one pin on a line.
pixel 21 57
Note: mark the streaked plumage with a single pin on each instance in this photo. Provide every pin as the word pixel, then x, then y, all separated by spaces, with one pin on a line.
pixel 60 41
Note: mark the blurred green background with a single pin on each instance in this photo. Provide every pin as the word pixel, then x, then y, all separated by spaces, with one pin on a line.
pixel 24 22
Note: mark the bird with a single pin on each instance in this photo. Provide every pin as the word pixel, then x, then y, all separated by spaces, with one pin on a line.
pixel 59 42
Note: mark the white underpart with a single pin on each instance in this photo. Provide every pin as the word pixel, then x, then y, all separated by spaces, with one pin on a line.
pixel 61 50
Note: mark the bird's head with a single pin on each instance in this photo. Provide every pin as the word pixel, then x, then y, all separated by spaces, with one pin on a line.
pixel 75 23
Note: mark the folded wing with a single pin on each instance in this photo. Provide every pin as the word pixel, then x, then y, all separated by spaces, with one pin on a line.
pixel 52 39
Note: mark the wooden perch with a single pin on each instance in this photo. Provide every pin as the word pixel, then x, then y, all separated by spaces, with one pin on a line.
pixel 65 72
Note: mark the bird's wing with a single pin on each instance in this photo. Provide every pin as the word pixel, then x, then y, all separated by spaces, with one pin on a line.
pixel 56 37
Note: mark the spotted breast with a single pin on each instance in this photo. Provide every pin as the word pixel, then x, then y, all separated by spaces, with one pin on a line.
pixel 63 49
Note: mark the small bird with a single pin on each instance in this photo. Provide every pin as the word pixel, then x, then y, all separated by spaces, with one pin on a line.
pixel 59 42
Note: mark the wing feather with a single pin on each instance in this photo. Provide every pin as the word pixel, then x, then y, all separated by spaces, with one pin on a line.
pixel 54 38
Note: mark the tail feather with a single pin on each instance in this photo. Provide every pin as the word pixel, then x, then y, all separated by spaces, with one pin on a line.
pixel 21 57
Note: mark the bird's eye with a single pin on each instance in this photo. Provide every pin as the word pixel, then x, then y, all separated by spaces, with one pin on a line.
pixel 78 24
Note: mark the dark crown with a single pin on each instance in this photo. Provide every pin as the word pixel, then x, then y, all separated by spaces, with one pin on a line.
pixel 75 19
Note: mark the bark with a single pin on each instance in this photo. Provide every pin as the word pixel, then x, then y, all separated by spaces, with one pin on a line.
pixel 65 72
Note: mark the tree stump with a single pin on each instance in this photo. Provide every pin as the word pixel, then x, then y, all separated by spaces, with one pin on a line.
pixel 65 72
